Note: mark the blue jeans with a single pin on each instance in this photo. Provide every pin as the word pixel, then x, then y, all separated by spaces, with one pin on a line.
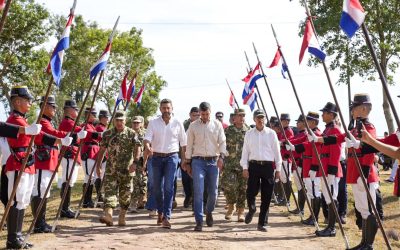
pixel 164 169
pixel 207 171
pixel 151 199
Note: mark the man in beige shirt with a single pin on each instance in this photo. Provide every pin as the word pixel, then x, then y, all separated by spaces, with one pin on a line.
pixel 205 153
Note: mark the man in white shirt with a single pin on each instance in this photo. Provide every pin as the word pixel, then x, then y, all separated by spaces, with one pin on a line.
pixel 205 153
pixel 260 151
pixel 163 138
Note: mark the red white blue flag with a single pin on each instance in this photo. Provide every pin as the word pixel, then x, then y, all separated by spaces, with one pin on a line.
pixel 122 90
pixel 138 98
pixel 250 81
pixel 352 17
pixel 250 99
pixel 310 42
pixel 101 63
pixel 275 62
pixel 232 100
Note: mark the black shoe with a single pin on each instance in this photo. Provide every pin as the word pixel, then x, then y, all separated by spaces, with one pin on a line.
pixel 42 229
pixel 309 221
pixel 327 232
pixel 249 216
pixel 15 244
pixel 198 227
pixel 209 220
pixel 294 211
pixel 186 202
pixel 262 228
pixel 342 219
pixel 67 214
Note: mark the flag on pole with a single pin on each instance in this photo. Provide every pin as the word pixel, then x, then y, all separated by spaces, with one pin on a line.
pixel 353 16
pixel 232 100
pixel 275 62
pixel 250 99
pixel 138 98
pixel 122 90
pixel 101 63
pixel 310 42
pixel 250 81
pixel 56 60
pixel 131 89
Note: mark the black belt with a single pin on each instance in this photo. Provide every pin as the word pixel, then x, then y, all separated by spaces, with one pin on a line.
pixel 91 143
pixel 21 149
pixel 163 154
pixel 324 155
pixel 307 157
pixel 205 158
pixel 261 162
pixel 46 147
pixel 352 155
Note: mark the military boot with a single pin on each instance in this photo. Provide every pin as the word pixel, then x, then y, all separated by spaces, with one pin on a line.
pixel 97 184
pixel 288 191
pixel 66 212
pixel 241 214
pixel 40 226
pixel 107 217
pixel 370 232
pixel 229 212
pixel 121 218
pixel 13 242
pixel 330 230
pixel 133 206
pixel 363 236
pixel 316 206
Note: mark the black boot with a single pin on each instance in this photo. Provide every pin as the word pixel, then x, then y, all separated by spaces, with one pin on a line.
pixel 85 200
pixel 330 230
pixel 89 194
pixel 66 212
pixel 363 236
pixel 279 194
pixel 288 188
pixel 301 200
pixel 40 226
pixel 97 184
pixel 370 232
pixel 20 222
pixel 316 205
pixel 13 241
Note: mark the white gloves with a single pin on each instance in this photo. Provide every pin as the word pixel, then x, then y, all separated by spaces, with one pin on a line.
pixel 349 143
pixel 82 134
pixel 312 137
pixel 66 141
pixel 289 146
pixel 313 174
pixel 354 141
pixel 33 129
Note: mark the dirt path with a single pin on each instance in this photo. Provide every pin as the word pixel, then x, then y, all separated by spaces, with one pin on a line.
pixel 284 232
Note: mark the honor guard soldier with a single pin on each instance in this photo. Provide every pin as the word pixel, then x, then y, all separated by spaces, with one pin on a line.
pixel 21 102
pixel 330 150
pixel 287 161
pixel 100 128
pixel 123 148
pixel 70 114
pixel 89 152
pixel 46 159
pixel 311 173
pixel 233 182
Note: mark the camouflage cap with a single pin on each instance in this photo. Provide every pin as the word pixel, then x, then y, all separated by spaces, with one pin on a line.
pixel 120 115
pixel 240 111
pixel 138 118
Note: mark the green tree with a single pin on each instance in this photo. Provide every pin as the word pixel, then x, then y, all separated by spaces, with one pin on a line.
pixel 22 56
pixel 353 57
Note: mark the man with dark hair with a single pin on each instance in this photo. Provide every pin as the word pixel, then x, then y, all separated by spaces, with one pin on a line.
pixel 220 117
pixel 206 149
pixel 164 137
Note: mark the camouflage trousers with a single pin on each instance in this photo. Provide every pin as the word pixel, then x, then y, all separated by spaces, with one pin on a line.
pixel 117 187
pixel 234 185
pixel 139 184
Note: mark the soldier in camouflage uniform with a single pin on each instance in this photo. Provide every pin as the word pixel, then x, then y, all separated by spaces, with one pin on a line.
pixel 140 177
pixel 232 179
pixel 123 148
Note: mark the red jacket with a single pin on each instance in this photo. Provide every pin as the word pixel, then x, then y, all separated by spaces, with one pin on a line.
pixel 330 151
pixel 302 135
pixel 91 142
pixel 48 128
pixel 21 143
pixel 289 134
pixel 66 125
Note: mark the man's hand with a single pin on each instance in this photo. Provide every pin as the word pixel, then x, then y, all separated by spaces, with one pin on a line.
pixel 149 151
pixel 132 167
pixel 183 165
pixel 367 138
pixel 245 173
pixel 220 164
pixel 277 175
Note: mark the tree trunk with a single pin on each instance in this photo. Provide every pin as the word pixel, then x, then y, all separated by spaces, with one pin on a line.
pixel 385 104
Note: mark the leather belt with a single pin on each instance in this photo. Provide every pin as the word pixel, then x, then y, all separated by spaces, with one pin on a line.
pixel 163 154
pixel 46 147
pixel 307 157
pixel 205 158
pixel 20 149
pixel 324 155
pixel 91 143
pixel 351 155
pixel 261 162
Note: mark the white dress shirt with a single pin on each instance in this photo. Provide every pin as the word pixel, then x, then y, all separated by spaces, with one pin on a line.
pixel 165 138
pixel 261 146
pixel 205 139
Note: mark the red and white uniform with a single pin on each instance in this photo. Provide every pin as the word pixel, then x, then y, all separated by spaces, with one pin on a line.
pixel 287 162
pixel 90 150
pixel 300 135
pixel 101 128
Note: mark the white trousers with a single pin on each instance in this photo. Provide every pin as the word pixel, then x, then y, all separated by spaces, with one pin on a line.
pixel 360 197
pixel 313 187
pixel 296 179
pixel 67 169
pixel 88 165
pixel 42 180
pixel 288 169
pixel 333 188
pixel 24 189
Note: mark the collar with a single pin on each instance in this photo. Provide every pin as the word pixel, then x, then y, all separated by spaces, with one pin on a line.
pixel 302 131
pixel 47 118
pixel 365 120
pixel 330 125
pixel 315 129
pixel 202 122
pixel 19 113
pixel 68 118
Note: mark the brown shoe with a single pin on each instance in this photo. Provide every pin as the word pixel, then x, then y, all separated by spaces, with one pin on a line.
pixel 240 214
pixel 165 223
pixel 107 217
pixel 121 218
pixel 159 219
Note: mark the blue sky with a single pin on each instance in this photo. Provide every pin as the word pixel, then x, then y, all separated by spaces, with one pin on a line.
pixel 199 43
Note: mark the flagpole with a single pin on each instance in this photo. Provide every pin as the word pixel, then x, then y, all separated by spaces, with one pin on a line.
pixel 4 16
pixel 234 97
pixel 283 133
pixel 358 165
